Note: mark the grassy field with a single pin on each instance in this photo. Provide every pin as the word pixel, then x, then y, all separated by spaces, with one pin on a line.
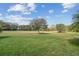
pixel 26 43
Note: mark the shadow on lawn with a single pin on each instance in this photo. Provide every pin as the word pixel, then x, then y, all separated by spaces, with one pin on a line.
pixel 43 33
pixel 74 41
pixel 4 37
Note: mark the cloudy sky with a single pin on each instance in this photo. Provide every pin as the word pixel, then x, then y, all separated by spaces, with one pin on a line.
pixel 23 13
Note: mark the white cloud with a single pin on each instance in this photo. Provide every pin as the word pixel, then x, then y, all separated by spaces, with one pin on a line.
pixel 31 6
pixel 17 7
pixel 64 11
pixel 27 13
pixel 51 11
pixel 23 8
pixel 16 19
pixel 68 6
pixel 0 14
pixel 40 17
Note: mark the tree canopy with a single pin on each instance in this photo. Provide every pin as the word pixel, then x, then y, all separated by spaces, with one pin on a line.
pixel 38 24
pixel 75 24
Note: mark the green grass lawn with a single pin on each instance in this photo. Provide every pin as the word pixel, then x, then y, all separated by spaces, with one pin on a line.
pixel 27 43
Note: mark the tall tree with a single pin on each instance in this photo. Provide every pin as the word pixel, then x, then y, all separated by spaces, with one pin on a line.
pixel 38 24
pixel 0 28
pixel 1 23
pixel 75 24
pixel 13 26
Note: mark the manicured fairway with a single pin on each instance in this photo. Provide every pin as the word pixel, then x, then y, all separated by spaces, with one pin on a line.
pixel 27 43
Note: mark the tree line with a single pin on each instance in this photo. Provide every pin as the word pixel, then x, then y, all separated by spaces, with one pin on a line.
pixel 40 24
pixel 35 25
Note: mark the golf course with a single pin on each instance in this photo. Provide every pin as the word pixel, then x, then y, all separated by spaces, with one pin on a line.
pixel 32 43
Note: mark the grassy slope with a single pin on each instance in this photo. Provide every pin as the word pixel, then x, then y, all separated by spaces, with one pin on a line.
pixel 30 43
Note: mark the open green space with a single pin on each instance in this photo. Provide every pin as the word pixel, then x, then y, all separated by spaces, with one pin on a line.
pixel 29 43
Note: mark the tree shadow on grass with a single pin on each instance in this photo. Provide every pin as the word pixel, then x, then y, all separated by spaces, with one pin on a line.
pixel 74 41
pixel 43 33
pixel 4 37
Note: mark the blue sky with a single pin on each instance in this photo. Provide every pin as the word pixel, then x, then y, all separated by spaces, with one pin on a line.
pixel 23 13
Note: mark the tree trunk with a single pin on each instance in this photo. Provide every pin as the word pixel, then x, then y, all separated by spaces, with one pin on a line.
pixel 38 31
